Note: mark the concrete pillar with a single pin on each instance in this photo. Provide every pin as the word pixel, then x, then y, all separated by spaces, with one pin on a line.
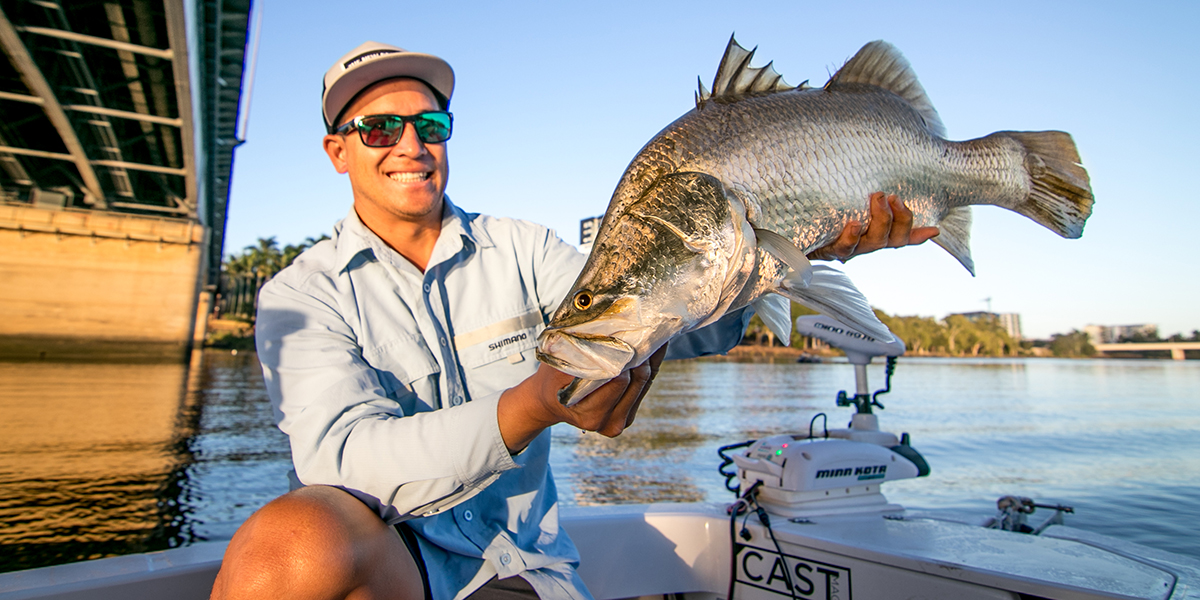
pixel 90 276
pixel 1177 354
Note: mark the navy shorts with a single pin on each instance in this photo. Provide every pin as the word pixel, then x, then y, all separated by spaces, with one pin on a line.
pixel 512 588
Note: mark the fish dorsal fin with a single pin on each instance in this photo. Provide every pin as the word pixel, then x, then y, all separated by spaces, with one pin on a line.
pixel 880 64
pixel 736 79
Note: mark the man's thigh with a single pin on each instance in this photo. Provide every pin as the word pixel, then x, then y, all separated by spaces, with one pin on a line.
pixel 320 541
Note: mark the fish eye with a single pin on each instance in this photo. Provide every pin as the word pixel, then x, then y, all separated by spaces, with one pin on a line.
pixel 583 300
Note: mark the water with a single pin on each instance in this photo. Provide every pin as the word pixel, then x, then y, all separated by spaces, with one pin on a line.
pixel 105 459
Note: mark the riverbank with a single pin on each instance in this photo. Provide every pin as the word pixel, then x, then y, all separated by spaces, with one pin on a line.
pixel 229 334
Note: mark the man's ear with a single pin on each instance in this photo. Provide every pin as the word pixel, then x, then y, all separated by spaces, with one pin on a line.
pixel 335 147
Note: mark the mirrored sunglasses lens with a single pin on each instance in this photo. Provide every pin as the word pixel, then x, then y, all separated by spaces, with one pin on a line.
pixel 379 132
pixel 433 128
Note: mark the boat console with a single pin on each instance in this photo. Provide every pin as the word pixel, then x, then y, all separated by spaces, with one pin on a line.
pixel 834 471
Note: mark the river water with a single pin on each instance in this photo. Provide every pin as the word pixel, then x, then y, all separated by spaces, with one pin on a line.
pixel 104 459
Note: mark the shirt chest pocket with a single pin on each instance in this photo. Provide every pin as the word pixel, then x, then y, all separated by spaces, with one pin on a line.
pixel 505 339
pixel 407 371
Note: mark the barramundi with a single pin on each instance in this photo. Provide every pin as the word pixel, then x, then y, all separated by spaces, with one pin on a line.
pixel 721 208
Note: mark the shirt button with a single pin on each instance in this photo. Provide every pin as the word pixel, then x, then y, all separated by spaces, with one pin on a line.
pixel 442 341
pixel 427 288
pixel 468 515
pixel 505 559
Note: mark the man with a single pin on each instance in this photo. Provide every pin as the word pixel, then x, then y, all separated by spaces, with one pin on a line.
pixel 399 358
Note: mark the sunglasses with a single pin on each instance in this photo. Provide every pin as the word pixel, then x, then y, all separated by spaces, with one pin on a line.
pixel 382 131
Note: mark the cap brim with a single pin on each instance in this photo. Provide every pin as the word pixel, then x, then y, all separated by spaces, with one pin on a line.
pixel 428 68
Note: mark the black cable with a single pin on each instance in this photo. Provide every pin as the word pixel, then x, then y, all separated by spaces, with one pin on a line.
pixel 824 424
pixel 733 515
pixel 787 576
pixel 887 384
pixel 726 461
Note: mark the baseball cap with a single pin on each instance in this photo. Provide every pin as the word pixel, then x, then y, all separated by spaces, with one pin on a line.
pixel 373 62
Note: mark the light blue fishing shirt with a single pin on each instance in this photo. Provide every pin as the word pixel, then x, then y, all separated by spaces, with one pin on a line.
pixel 387 381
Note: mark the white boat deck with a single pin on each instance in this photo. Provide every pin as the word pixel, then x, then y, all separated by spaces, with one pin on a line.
pixel 650 550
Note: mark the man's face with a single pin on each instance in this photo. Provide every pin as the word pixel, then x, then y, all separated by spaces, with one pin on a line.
pixel 403 183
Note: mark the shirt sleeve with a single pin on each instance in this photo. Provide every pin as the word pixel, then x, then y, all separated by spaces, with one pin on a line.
pixel 346 431
pixel 717 338
pixel 556 265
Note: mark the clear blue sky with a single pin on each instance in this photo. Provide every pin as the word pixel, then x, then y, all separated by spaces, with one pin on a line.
pixel 555 98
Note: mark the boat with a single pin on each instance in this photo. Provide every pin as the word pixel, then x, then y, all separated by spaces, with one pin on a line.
pixel 808 519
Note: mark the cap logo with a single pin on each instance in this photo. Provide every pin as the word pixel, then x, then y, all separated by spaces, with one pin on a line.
pixel 367 56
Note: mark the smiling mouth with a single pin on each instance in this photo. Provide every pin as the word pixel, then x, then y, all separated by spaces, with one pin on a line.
pixel 409 177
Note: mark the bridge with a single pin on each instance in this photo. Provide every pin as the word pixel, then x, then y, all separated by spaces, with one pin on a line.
pixel 119 123
pixel 1177 349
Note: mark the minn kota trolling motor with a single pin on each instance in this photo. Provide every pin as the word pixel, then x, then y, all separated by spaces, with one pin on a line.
pixel 834 471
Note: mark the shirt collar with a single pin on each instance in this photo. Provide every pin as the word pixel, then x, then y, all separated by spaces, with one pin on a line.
pixel 352 237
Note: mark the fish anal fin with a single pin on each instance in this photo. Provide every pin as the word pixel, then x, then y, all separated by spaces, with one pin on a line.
pixel 954 235
pixel 880 64
pixel 776 313
pixel 831 292
pixel 736 79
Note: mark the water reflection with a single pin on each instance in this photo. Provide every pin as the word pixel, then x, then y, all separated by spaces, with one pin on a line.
pixel 97 460
pixel 106 459
pixel 602 470
pixel 88 453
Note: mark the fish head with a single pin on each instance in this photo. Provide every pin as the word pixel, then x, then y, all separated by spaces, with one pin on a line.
pixel 670 262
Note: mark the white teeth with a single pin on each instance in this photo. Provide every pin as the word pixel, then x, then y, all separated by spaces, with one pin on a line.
pixel 409 177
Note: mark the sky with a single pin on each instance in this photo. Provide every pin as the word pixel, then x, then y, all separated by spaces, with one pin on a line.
pixel 553 99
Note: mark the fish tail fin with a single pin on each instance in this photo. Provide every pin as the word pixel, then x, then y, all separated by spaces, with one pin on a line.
pixel 1061 196
pixel 831 292
pixel 954 235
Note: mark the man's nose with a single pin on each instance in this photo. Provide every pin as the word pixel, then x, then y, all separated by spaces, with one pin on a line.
pixel 409 144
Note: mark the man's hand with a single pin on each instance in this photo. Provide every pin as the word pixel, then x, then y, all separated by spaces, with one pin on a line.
pixel 889 226
pixel 596 412
pixel 533 405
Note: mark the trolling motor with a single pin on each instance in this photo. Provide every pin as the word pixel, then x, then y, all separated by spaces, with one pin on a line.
pixel 834 471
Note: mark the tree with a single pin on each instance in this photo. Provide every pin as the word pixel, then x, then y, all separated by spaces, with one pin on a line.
pixel 243 274
pixel 1074 344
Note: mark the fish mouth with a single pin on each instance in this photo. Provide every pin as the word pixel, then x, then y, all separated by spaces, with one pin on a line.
pixel 585 356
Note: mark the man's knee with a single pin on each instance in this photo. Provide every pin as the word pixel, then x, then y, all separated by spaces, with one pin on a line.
pixel 313 542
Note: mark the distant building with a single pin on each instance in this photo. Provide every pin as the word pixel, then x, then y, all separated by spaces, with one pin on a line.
pixel 587 232
pixel 1010 322
pixel 1111 334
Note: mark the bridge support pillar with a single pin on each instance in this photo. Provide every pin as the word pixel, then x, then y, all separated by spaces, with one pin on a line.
pixel 1177 354
pixel 80 276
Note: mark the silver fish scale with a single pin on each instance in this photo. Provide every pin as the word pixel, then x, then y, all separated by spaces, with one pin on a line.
pixel 805 161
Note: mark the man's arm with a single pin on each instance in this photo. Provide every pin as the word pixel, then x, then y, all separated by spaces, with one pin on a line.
pixel 346 430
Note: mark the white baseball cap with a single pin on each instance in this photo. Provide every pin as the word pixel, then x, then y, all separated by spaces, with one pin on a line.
pixel 373 62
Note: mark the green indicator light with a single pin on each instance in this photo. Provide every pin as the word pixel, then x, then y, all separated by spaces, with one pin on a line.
pixel 778 452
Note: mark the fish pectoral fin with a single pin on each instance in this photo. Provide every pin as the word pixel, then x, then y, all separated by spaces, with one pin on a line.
pixel 787 253
pixel 954 235
pixel 831 292
pixel 776 313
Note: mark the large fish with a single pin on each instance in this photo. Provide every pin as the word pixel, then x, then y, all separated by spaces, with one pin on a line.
pixel 719 210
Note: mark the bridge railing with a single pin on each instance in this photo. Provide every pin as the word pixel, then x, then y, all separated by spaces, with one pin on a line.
pixel 1178 350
